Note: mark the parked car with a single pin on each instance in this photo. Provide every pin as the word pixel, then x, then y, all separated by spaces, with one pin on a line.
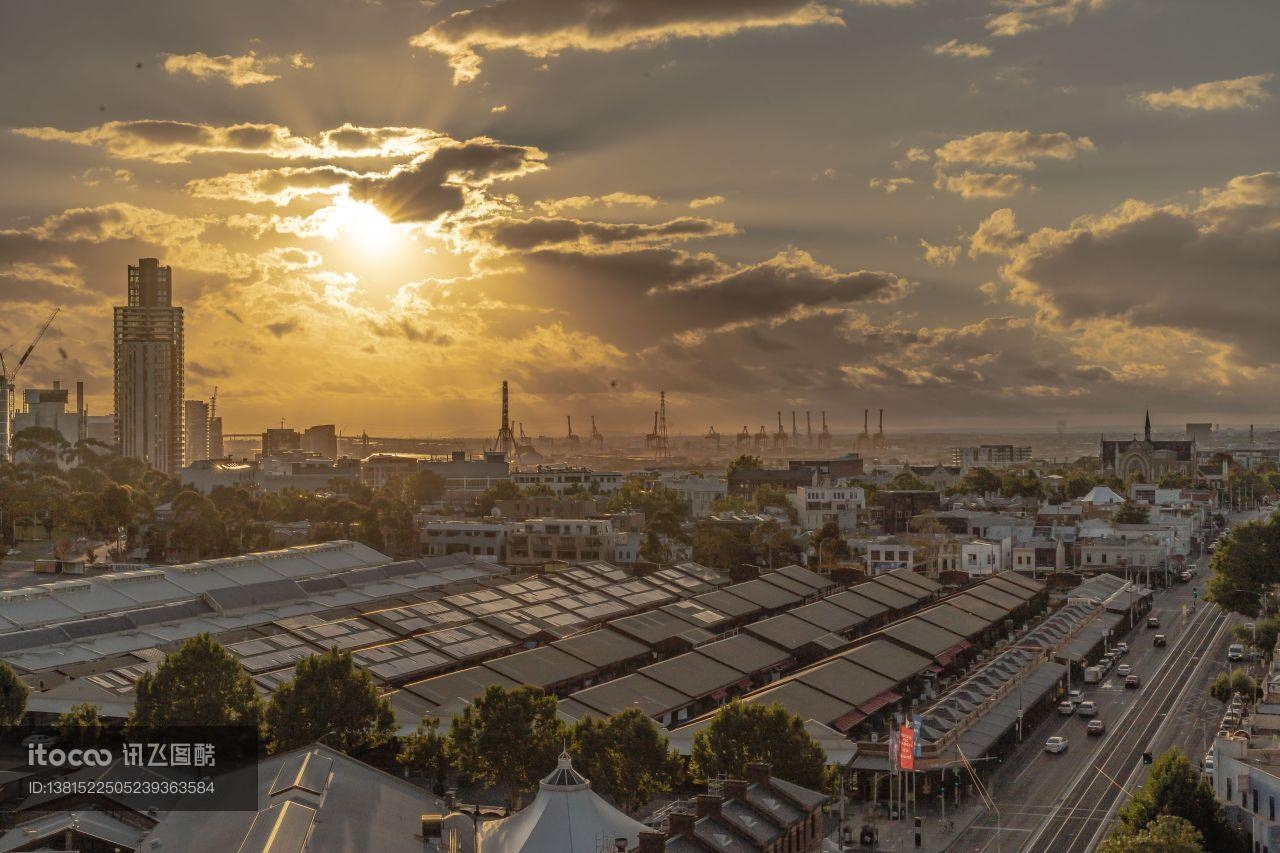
pixel 1095 727
pixel 1056 744
pixel 1065 708
pixel 1123 669
pixel 1075 696
pixel 1133 681
pixel 1153 621
pixel 1235 651
pixel 1208 763
pixel 1122 648
pixel 39 740
pixel 1088 708
pixel 1161 640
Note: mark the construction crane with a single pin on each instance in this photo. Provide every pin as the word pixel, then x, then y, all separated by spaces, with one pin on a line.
pixel 795 433
pixel 744 437
pixel 824 437
pixel 571 438
pixel 780 437
pixel 597 440
pixel 714 437
pixel 8 379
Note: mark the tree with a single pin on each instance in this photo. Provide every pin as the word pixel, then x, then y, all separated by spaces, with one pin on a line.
pixel 13 696
pixel 744 463
pixel 330 700
pixel 80 725
pixel 625 757
pixel 1168 834
pixel 1267 630
pixel 1174 787
pixel 1130 512
pixel 426 753
pixel 830 545
pixel 720 547
pixel 503 490
pixel 980 481
pixel 1237 681
pixel 1077 484
pixel 774 545
pixel 197 529
pixel 201 684
pixel 740 734
pixel 1021 484
pixel 907 481
pixel 1245 566
pixel 508 739
pixel 424 487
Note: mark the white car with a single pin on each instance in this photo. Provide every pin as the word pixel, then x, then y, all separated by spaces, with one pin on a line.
pixel 1087 709
pixel 1066 709
pixel 1055 744
pixel 1123 669
pixel 13 552
pixel 1075 697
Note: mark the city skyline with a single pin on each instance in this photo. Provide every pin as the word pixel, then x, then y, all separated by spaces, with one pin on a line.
pixel 996 212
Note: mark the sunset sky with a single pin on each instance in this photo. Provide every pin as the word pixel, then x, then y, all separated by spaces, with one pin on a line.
pixel 967 212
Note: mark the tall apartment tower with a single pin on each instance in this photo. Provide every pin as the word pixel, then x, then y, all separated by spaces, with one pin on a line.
pixel 197 431
pixel 150 369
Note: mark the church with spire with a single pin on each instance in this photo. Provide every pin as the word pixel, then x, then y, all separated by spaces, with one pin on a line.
pixel 1147 460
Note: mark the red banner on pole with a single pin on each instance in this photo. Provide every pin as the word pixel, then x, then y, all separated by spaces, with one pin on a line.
pixel 907 747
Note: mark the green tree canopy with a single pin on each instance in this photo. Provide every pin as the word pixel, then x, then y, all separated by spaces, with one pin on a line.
pixel 1236 681
pixel 745 462
pixel 424 487
pixel 426 753
pixel 1168 834
pixel 830 545
pixel 907 481
pixel 330 700
pixel 81 724
pixel 625 757
pixel 1130 512
pixel 508 739
pixel 981 481
pixel 503 490
pixel 201 684
pixel 1245 565
pixel 13 696
pixel 740 734
pixel 720 547
pixel 1174 787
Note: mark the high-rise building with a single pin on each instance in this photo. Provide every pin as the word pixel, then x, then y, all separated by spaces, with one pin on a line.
pixel 149 369
pixel 281 440
pixel 321 439
pixel 216 450
pixel 197 441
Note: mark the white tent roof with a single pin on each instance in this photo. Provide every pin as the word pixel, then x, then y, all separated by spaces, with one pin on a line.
pixel 1101 495
pixel 565 817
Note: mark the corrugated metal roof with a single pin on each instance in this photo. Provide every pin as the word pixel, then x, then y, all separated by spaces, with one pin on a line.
pixel 915 633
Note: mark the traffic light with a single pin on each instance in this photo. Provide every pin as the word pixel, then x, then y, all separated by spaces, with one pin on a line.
pixel 1146 758
pixel 1195 593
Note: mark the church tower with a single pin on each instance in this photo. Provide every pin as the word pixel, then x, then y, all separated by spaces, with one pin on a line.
pixel 1146 428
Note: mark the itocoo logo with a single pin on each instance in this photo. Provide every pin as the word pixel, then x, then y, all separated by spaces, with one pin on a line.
pixel 39 755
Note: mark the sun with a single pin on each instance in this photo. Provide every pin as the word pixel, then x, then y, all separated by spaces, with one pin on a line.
pixel 365 228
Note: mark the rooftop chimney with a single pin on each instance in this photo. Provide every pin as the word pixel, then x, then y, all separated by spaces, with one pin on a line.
pixel 735 789
pixel 652 842
pixel 680 823
pixel 758 772
pixel 708 805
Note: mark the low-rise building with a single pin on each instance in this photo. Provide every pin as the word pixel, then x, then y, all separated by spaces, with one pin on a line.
pixel 817 505
pixel 566 478
pixel 205 475
pixel 1246 780
pixel 990 456
pixel 543 540
pixel 462 536
pixel 700 491
pixel 886 554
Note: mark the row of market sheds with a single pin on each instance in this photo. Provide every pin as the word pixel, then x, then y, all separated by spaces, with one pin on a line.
pixel 401 620
pixel 853 689
pixel 984 710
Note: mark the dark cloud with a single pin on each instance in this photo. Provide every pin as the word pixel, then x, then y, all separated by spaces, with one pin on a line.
pixel 283 327
pixel 436 184
pixel 561 233
pixel 545 27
